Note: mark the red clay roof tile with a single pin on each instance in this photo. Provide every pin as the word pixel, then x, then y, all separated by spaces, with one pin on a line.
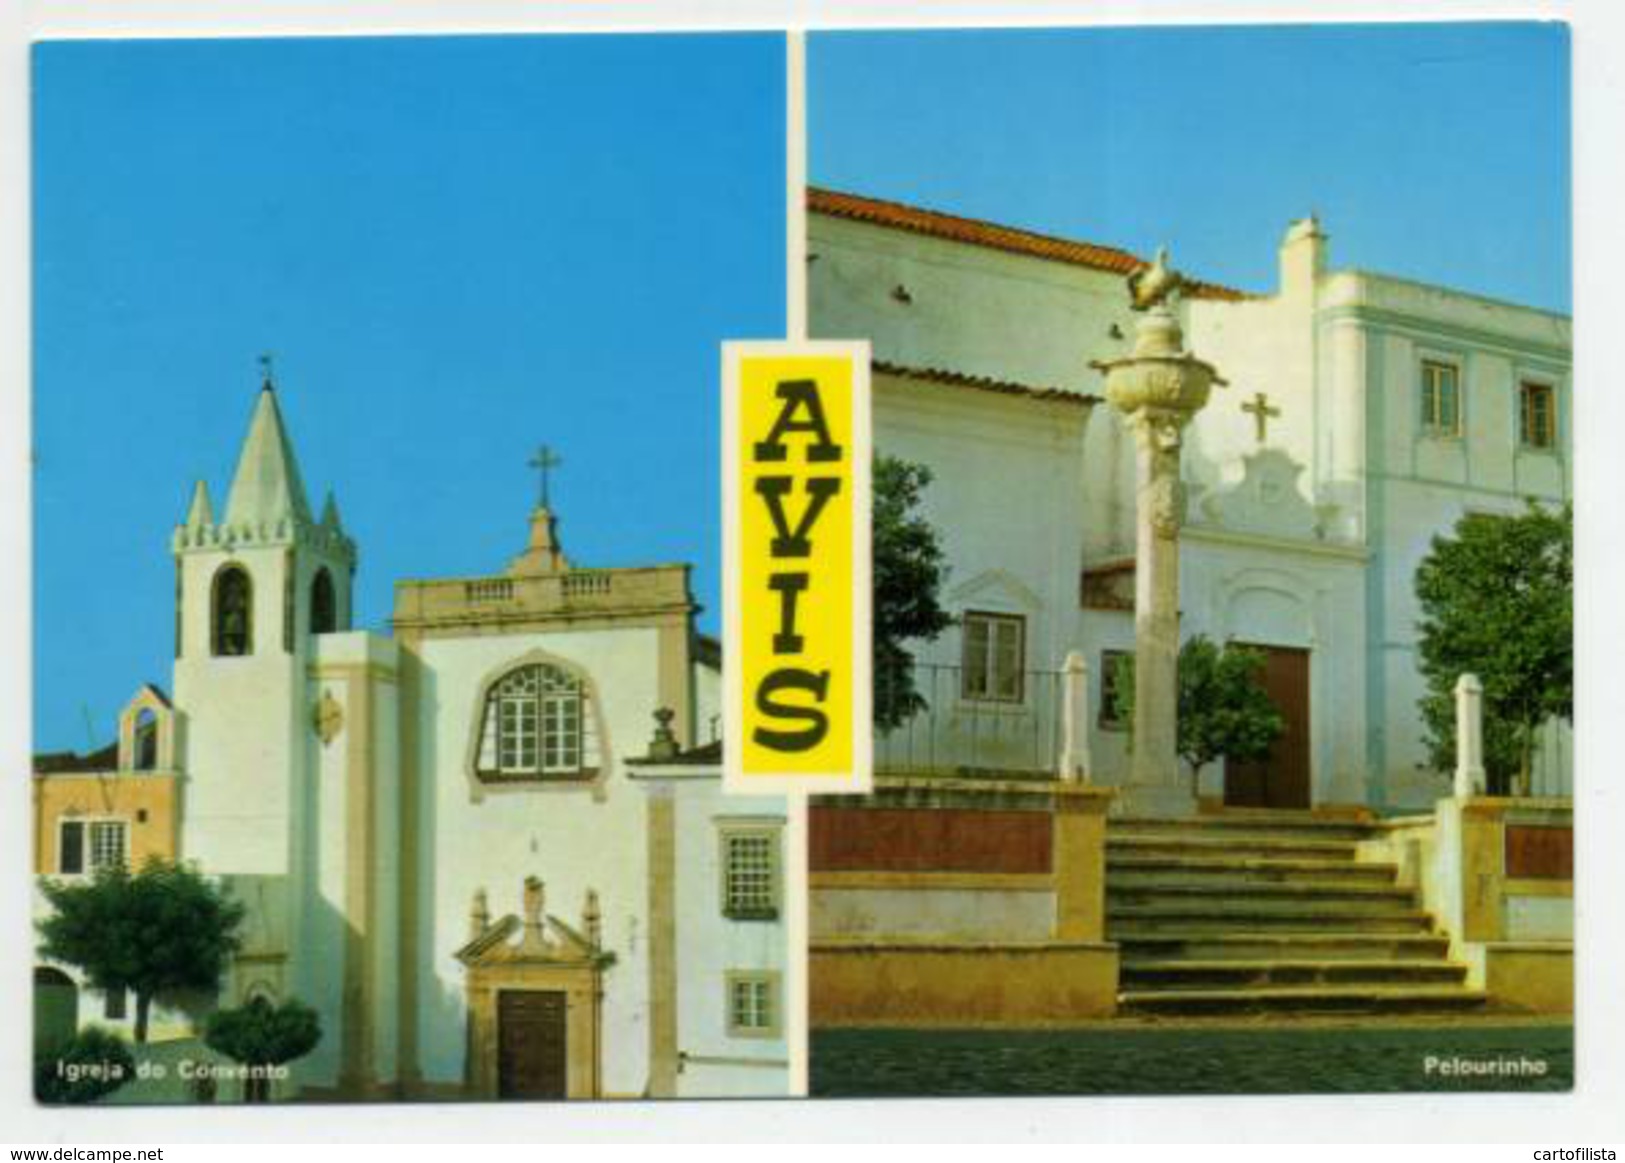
pixel 976 232
pixel 955 379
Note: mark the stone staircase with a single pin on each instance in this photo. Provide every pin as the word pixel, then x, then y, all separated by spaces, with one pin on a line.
pixel 1253 912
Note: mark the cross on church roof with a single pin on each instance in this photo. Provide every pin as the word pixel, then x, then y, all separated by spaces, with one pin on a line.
pixel 1262 413
pixel 544 460
pixel 265 369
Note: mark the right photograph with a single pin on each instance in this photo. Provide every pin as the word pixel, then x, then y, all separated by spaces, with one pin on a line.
pixel 1223 560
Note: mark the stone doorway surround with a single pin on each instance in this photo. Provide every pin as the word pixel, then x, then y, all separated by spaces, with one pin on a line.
pixel 549 956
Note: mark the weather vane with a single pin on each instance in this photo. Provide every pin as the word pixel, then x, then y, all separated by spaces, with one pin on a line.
pixel 544 460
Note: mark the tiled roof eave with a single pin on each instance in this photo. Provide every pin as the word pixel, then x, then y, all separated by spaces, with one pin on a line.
pixel 954 379
pixel 978 232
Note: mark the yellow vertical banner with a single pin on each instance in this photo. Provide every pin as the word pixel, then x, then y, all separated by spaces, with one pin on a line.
pixel 796 567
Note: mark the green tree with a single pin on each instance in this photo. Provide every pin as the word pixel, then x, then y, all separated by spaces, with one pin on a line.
pixel 96 1063
pixel 260 1034
pixel 909 570
pixel 163 929
pixel 1224 711
pixel 1497 600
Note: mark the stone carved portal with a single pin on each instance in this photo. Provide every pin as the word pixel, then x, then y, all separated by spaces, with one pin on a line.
pixel 535 1004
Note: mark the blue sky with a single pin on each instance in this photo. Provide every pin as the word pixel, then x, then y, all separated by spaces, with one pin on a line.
pixel 456 249
pixel 1434 152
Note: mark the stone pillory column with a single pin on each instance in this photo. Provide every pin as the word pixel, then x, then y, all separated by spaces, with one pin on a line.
pixel 1158 389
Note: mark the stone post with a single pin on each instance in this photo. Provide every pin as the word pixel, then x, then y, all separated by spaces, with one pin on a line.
pixel 1470 779
pixel 1158 389
pixel 1075 764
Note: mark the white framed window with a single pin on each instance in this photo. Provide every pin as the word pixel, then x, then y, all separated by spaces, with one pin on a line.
pixel 1441 398
pixel 109 844
pixel 87 846
pixel 753 1004
pixel 537 724
pixel 994 657
pixel 750 858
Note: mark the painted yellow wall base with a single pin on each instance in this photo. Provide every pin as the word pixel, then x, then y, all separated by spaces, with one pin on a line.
pixel 945 985
pixel 1536 976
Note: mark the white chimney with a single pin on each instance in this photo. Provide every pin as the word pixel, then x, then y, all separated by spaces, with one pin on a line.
pixel 1303 257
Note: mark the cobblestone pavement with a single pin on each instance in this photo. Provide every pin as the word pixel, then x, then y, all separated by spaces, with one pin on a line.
pixel 1196 1059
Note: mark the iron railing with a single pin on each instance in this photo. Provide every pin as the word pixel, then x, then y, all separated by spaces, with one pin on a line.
pixel 958 731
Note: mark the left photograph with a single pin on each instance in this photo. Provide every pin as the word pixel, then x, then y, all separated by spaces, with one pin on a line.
pixel 376 539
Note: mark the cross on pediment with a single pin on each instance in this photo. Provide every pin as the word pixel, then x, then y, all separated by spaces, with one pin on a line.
pixel 1262 413
pixel 544 461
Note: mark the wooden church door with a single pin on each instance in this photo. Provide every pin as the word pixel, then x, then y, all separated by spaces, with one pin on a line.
pixel 1281 779
pixel 532 1061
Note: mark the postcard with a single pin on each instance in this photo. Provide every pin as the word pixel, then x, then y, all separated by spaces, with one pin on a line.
pixel 757 565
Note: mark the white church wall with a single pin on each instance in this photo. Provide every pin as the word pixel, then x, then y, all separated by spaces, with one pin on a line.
pixel 1005 499
pixel 573 837
pixel 1108 486
pixel 970 309
pixel 325 836
pixel 386 879
pixel 707 704
pixel 1260 346
pixel 710 946
pixel 240 730
pixel 984 312
pixel 319 905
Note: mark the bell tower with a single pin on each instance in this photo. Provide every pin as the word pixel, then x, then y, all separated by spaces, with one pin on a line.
pixel 253 588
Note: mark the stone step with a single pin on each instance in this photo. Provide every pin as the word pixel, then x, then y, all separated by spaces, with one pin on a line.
pixel 1153 890
pixel 1248 827
pixel 1239 974
pixel 1132 865
pixel 1126 921
pixel 1201 846
pixel 1317 945
pixel 1302 999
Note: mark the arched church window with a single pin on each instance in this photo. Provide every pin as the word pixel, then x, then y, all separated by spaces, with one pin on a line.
pixel 537 724
pixel 233 612
pixel 146 740
pixel 324 610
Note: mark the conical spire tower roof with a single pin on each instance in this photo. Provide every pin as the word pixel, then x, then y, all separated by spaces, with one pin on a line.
pixel 266 486
pixel 201 511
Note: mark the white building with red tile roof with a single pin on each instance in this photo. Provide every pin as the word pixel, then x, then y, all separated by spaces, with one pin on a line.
pixel 1364 415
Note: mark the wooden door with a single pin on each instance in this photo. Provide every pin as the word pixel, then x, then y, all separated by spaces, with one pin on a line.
pixel 532 1058
pixel 1281 780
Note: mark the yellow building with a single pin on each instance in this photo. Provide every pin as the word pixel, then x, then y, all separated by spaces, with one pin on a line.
pixel 116 805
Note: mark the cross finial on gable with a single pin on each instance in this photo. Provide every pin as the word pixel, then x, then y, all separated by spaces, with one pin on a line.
pixel 543 461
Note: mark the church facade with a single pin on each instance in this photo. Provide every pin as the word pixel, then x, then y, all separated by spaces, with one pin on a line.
pixel 442 834
pixel 1363 415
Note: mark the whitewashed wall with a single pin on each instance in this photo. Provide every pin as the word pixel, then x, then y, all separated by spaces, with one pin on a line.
pixel 570 836
pixel 710 944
